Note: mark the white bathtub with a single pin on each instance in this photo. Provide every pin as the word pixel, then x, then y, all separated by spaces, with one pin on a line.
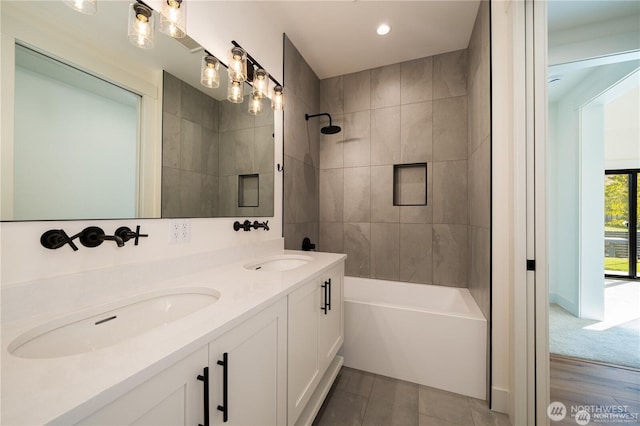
pixel 426 334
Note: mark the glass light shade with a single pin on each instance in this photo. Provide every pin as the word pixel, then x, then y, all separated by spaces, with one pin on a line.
pixel 235 92
pixel 237 64
pixel 90 7
pixel 277 98
pixel 173 18
pixel 260 83
pixel 255 105
pixel 141 26
pixel 209 74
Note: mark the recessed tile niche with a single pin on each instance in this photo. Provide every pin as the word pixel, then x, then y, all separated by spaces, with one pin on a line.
pixel 248 190
pixel 410 184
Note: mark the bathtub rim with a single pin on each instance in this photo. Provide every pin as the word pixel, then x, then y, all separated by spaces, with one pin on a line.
pixel 475 314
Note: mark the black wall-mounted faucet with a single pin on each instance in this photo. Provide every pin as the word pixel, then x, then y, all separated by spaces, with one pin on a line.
pixel 264 225
pixel 93 236
pixel 247 225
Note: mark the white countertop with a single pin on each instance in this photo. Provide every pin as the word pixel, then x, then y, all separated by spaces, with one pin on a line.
pixel 65 390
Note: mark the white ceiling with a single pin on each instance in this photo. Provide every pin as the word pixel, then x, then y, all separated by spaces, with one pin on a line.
pixel 567 14
pixel 339 37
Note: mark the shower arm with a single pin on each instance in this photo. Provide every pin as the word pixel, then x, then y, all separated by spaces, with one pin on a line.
pixel 308 116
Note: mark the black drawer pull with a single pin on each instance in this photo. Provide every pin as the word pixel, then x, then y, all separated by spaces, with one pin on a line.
pixel 328 283
pixel 204 377
pixel 225 388
pixel 324 306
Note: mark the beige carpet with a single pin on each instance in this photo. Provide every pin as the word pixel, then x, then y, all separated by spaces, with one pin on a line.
pixel 602 341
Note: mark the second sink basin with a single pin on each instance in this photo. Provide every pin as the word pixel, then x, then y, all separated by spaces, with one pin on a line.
pixel 103 326
pixel 282 262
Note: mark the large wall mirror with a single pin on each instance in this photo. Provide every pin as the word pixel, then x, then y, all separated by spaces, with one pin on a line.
pixel 101 129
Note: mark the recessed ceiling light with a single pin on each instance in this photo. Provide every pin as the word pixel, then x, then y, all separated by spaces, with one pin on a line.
pixel 383 29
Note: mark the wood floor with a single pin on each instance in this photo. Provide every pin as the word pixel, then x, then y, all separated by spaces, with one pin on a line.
pixel 581 383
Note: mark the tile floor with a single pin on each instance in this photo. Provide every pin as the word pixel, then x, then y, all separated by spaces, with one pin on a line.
pixel 361 398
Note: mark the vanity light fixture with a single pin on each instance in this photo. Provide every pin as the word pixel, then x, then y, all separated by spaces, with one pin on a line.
pixel 383 29
pixel 173 18
pixel 237 64
pixel 260 83
pixel 235 92
pixel 255 105
pixel 89 7
pixel 141 25
pixel 277 98
pixel 209 74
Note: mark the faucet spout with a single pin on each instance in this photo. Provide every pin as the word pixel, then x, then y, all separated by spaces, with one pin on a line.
pixel 93 236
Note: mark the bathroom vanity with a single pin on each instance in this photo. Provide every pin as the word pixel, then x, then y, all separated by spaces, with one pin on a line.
pixel 259 348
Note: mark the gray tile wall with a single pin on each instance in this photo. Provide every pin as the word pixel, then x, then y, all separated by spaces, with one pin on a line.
pixel 190 151
pixel 301 153
pixel 206 145
pixel 479 163
pixel 479 169
pixel 410 112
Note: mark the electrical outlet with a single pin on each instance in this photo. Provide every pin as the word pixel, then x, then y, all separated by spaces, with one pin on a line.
pixel 180 231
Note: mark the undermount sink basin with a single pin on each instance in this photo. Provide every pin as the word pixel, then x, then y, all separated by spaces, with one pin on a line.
pixel 106 325
pixel 283 262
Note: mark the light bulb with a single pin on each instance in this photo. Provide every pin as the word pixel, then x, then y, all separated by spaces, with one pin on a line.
pixel 210 76
pixel 277 98
pixel 235 92
pixel 237 64
pixel 260 83
pixel 173 18
pixel 141 24
pixel 255 105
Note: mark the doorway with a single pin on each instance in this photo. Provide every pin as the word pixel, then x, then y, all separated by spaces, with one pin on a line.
pixel 621 242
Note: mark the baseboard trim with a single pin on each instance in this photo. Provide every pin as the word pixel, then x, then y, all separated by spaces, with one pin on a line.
pixel 500 400
pixel 564 303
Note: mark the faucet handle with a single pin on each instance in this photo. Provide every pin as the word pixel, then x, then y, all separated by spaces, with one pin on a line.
pixel 125 233
pixel 56 238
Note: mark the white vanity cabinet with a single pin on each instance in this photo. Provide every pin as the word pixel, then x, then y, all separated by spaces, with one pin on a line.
pixel 173 397
pixel 316 332
pixel 254 356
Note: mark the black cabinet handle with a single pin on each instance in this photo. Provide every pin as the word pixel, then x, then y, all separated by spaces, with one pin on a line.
pixel 204 377
pixel 225 387
pixel 328 283
pixel 325 287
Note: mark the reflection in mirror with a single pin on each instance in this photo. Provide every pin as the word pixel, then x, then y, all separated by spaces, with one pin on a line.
pixel 208 145
pixel 189 155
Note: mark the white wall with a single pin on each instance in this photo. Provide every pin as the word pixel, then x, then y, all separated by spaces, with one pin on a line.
pixel 565 185
pixel 22 258
pixel 622 130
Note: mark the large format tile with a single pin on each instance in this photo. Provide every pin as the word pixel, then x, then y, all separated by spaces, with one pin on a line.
pixel 332 195
pixel 479 273
pixel 483 416
pixel 392 402
pixel 357 194
pixel 385 251
pixel 190 146
pixel 446 406
pixel 450 255
pixel 450 74
pixel 331 238
pixel 170 140
pixel 210 153
pixel 170 94
pixel 227 153
pixel 332 95
pixel 450 129
pixel 170 192
pixel 385 86
pixel 342 409
pixel 244 150
pixel 190 193
pixel 480 186
pixel 357 246
pixel 263 151
pixel 355 381
pixel 416 143
pixel 382 208
pixel 416 262
pixel 450 192
pixel 416 80
pixel 332 147
pixel 385 136
pixel 357 91
pixel 190 103
pixel 357 139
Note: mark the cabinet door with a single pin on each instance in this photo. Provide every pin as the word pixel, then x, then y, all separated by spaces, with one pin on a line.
pixel 304 363
pixel 331 325
pixel 256 365
pixel 173 397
